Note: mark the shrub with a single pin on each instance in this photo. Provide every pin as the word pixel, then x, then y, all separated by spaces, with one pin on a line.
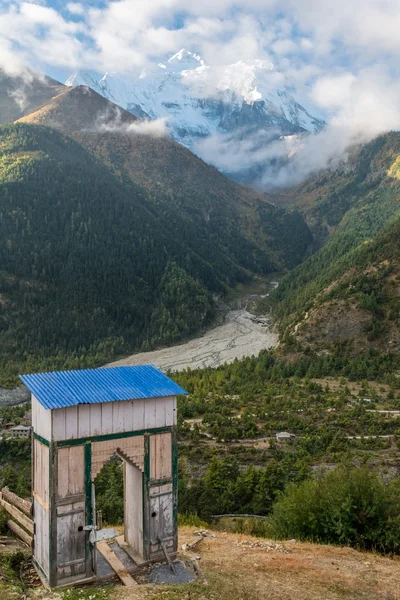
pixel 348 506
pixel 191 519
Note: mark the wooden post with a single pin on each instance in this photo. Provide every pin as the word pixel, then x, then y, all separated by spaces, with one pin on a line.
pixel 146 498
pixel 53 464
pixel 90 555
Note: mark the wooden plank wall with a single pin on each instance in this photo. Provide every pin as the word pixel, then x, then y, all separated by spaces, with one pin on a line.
pixel 41 504
pixel 132 447
pixel 41 537
pixel 41 419
pixel 89 420
pixel 160 456
pixel 41 473
pixel 70 471
pixel 133 492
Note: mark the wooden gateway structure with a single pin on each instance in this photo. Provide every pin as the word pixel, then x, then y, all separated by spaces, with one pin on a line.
pixel 81 419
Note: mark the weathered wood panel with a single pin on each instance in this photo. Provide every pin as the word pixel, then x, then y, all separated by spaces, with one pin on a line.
pixel 138 415
pixel 71 423
pixel 70 471
pixel 101 454
pixel 71 541
pixel 84 411
pixel 59 423
pixel 41 419
pixel 132 448
pixel 41 536
pixel 161 456
pixel 161 489
pixel 106 416
pixel 161 520
pixel 89 420
pixel 133 492
pixel 41 481
pixel 170 412
pixel 150 413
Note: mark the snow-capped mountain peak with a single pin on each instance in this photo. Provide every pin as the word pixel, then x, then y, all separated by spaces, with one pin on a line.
pixel 247 100
pixel 185 60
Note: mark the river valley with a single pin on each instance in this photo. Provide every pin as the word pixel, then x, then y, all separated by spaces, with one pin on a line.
pixel 240 334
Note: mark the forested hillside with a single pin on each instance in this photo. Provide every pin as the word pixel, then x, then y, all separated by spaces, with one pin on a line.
pixel 368 174
pixel 214 211
pixel 349 289
pixel 93 266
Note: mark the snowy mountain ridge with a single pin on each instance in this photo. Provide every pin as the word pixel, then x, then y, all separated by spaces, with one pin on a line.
pixel 242 101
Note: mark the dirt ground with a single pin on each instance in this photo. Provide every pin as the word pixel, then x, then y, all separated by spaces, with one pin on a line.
pixel 236 569
pixel 239 567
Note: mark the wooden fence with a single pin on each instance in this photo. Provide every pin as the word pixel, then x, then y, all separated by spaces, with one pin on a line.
pixel 19 510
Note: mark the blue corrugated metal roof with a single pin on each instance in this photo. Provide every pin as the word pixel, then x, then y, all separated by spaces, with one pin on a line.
pixel 91 386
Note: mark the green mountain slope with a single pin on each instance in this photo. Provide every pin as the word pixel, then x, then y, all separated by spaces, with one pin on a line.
pixel 211 211
pixel 92 265
pixel 325 199
pixel 359 209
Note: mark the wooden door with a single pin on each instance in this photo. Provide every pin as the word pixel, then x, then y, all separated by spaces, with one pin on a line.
pixel 71 540
pixel 71 518
pixel 161 519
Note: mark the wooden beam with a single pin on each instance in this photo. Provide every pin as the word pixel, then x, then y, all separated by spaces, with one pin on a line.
pixel 24 505
pixel 19 532
pixel 17 515
pixel 115 564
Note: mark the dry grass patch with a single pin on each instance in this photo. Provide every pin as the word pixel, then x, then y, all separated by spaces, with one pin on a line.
pixel 306 572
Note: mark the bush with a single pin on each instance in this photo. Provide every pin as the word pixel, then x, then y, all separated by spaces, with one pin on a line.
pixel 348 506
pixel 191 519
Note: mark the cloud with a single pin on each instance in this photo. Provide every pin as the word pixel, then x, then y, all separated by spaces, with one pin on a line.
pixel 342 55
pixel 75 8
pixel 123 34
pixel 156 128
pixel 113 120
pixel 362 107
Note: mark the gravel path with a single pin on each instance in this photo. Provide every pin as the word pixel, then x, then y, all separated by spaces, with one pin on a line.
pixel 241 334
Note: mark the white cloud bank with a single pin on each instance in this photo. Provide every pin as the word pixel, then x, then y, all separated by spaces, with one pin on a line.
pixel 361 108
pixel 157 128
pixel 343 53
